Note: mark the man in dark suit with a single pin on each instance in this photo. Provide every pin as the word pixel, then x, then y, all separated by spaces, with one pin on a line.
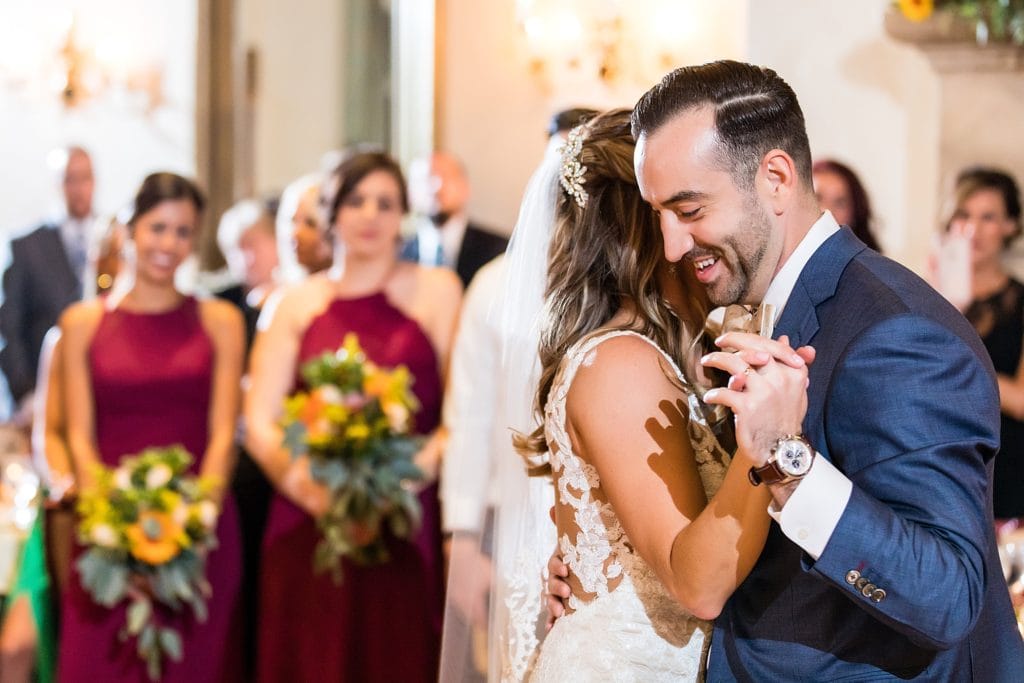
pixel 44 275
pixel 883 561
pixel 439 191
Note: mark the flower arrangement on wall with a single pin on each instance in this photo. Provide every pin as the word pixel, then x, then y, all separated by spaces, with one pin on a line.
pixel 995 20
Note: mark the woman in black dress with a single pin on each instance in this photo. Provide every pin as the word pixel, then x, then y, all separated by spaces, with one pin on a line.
pixel 988 211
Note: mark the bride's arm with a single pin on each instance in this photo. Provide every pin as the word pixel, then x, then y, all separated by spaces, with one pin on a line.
pixel 630 421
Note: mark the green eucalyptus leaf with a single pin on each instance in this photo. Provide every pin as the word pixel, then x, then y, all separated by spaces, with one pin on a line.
pixel 153 661
pixel 138 615
pixel 147 640
pixel 199 608
pixel 106 580
pixel 170 643
pixel 295 439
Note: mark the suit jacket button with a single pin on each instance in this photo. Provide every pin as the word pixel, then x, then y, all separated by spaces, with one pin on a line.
pixel 868 590
pixel 852 576
pixel 861 582
pixel 878 595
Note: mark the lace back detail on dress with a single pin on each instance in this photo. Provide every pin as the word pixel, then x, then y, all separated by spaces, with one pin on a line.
pixel 624 626
pixel 601 552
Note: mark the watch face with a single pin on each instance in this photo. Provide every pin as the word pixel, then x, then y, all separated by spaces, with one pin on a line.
pixel 793 457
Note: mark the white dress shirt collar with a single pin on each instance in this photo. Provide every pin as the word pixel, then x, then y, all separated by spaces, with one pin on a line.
pixel 782 284
pixel 448 236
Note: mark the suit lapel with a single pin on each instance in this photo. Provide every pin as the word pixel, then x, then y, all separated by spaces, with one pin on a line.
pixel 799 320
pixel 817 283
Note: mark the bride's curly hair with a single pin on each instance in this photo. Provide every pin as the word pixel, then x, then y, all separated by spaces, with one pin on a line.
pixel 603 255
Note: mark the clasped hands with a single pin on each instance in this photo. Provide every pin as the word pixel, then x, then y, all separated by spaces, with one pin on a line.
pixel 767 393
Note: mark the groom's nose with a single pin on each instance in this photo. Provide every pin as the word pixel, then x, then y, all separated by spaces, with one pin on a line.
pixel 676 236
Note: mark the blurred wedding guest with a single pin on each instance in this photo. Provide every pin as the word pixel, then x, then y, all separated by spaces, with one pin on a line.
pixel 303 244
pixel 44 275
pixel 247 238
pixel 480 468
pixel 988 214
pixel 149 369
pixel 383 623
pixel 840 191
pixel 439 191
pixel 28 642
pixel 28 634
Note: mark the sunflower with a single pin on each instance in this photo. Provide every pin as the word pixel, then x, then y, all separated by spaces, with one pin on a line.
pixel 917 10
pixel 154 538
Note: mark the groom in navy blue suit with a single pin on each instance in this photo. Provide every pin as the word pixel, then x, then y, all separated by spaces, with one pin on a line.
pixel 883 562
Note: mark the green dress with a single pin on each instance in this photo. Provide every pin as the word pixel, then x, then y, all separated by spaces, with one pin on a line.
pixel 33 583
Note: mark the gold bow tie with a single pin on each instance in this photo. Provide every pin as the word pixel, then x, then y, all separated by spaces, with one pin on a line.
pixel 737 318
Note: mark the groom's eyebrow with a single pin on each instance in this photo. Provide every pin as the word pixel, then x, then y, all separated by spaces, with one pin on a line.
pixel 685 196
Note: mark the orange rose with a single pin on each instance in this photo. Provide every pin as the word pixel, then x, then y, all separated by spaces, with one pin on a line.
pixel 312 411
pixel 917 10
pixel 376 384
pixel 153 538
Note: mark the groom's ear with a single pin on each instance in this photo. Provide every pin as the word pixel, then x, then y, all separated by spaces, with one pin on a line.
pixel 777 180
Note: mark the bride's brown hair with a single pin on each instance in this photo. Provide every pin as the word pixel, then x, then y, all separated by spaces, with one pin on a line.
pixel 602 256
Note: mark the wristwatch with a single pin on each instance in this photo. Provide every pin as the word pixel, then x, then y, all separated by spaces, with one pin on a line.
pixel 791 459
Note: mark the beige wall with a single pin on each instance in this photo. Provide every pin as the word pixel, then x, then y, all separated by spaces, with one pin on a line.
pixel 126 140
pixel 298 112
pixel 869 101
pixel 493 112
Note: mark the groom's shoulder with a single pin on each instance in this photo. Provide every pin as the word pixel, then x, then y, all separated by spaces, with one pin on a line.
pixel 875 292
pixel 878 287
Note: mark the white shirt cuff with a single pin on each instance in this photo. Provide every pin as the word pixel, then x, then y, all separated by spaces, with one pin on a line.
pixel 813 511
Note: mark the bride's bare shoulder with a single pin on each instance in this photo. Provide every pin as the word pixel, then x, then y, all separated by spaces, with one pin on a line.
pixel 621 373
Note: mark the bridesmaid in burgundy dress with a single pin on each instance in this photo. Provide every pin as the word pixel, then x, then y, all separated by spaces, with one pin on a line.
pixel 383 622
pixel 155 368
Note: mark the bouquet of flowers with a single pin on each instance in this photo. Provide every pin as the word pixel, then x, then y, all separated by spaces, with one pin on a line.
pixel 148 527
pixel 353 423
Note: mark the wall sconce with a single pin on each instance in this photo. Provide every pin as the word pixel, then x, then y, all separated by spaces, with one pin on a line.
pixel 78 61
pixel 611 40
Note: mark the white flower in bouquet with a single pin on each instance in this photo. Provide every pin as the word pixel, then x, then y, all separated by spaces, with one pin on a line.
pixel 180 513
pixel 158 475
pixel 104 536
pixel 208 513
pixel 123 478
pixel 331 395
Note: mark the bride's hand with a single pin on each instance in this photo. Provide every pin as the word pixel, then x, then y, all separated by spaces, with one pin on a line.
pixel 298 486
pixel 558 590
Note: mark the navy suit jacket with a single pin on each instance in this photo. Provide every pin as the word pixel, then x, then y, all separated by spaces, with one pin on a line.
pixel 903 400
pixel 478 247
pixel 38 285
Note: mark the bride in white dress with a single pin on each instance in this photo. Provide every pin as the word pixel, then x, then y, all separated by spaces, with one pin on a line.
pixel 652 551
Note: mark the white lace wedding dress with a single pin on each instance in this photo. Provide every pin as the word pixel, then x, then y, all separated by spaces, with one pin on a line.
pixel 627 627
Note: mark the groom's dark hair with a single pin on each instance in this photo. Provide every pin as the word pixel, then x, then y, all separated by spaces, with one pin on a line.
pixel 755 111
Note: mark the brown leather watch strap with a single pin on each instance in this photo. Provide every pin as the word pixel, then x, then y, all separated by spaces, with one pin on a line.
pixel 768 474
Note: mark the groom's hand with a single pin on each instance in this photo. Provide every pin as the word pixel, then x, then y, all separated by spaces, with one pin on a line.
pixel 558 590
